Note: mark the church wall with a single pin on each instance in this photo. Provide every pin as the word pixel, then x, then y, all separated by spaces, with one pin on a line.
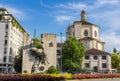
pixel 95 28
pixel 70 31
pixel 100 46
pixel 98 62
pixel 77 28
pixel 88 28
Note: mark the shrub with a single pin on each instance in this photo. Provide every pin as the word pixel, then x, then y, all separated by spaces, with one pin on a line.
pixel 52 69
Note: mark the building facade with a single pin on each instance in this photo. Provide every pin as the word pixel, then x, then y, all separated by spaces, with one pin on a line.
pixel 96 58
pixel 11 40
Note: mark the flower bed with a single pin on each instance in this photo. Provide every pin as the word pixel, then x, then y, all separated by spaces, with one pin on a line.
pixel 89 76
pixel 30 78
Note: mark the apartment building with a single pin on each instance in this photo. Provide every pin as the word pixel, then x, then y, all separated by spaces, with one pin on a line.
pixel 11 40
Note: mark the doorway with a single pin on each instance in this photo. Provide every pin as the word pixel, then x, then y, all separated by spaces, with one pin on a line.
pixel 95 69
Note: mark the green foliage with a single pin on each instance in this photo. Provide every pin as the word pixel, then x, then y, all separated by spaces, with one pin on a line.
pixel 18 62
pixel 52 69
pixel 37 43
pixel 40 57
pixel 115 60
pixel 114 50
pixel 73 53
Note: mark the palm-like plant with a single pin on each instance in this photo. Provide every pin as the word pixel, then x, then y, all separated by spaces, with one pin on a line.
pixel 39 56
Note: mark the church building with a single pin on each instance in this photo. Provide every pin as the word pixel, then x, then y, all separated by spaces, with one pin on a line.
pixel 96 59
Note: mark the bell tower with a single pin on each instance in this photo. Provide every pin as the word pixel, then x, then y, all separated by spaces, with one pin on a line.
pixel 83 16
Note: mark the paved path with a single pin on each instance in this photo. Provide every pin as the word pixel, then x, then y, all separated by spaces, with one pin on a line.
pixel 108 79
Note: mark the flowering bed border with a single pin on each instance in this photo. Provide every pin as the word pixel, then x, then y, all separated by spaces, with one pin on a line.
pixel 91 76
pixel 30 78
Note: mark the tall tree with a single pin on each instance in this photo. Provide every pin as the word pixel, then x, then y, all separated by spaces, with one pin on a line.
pixel 115 60
pixel 72 56
pixel 114 50
pixel 18 62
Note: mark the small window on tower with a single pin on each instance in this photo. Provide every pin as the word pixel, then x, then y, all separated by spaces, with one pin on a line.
pixel 50 44
pixel 86 33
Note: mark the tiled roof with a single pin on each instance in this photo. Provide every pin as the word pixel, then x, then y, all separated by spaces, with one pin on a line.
pixel 2 8
pixel 85 23
pixel 96 52
pixel 89 38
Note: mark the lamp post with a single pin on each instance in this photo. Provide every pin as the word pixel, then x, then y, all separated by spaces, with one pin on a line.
pixel 61 50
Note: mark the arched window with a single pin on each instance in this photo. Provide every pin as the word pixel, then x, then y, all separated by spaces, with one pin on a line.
pixel 50 44
pixel 86 33
pixel 95 33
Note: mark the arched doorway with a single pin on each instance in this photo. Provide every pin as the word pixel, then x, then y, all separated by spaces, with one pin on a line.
pixel 95 69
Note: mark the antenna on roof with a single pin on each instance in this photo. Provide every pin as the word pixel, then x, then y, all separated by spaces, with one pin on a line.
pixel 34 33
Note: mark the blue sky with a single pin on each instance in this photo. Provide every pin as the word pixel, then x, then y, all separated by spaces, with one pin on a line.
pixel 54 16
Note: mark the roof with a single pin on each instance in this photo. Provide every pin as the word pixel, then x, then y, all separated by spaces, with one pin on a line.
pixel 2 8
pixel 96 52
pixel 59 44
pixel 85 23
pixel 89 38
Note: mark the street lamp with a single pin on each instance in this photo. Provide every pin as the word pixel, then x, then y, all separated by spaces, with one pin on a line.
pixel 61 50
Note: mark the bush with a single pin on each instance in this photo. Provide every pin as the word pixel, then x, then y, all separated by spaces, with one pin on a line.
pixel 52 69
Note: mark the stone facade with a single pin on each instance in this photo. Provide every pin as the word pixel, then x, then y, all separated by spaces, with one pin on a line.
pixel 49 48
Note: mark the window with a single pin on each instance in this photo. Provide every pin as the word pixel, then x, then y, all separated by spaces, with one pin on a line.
pixel 5 50
pixel 85 33
pixel 51 44
pixel 4 59
pixel 103 57
pixel 103 65
pixel 86 57
pixel 95 33
pixel 87 65
pixel 10 59
pixel 5 42
pixel 6 27
pixel 95 57
pixel 6 34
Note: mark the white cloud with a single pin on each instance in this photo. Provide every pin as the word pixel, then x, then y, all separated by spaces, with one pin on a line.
pixel 62 18
pixel 17 13
pixel 112 41
pixel 77 6
pixel 59 39
pixel 109 20
pixel 102 2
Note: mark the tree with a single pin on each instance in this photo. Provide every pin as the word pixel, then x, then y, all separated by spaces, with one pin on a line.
pixel 39 55
pixel 18 62
pixel 73 53
pixel 114 50
pixel 115 58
